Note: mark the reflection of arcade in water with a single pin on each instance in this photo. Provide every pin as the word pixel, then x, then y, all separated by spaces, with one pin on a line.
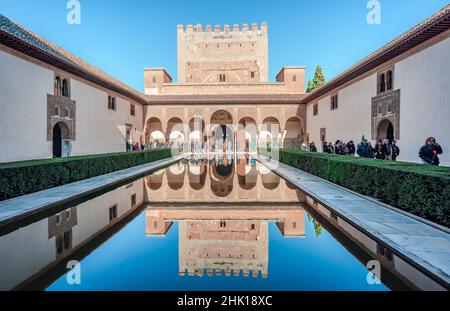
pixel 221 178
pixel 223 240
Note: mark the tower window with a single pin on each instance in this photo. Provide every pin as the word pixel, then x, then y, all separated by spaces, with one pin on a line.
pixel 113 212
pixel 58 86
pixel 222 77
pixel 133 200
pixel 294 78
pixel 389 80
pixel 111 103
pixel 252 74
pixel 65 88
pixel 334 102
pixel 385 81
pixel 154 79
pixel 382 83
pixel 315 109
pixel 132 110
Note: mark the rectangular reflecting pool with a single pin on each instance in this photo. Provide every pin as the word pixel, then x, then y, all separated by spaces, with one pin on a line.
pixel 226 223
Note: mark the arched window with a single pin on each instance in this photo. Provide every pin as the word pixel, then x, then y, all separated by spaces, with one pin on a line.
pixel 67 114
pixel 382 86
pixel 66 238
pixel 67 214
pixel 389 80
pixel 58 86
pixel 65 88
pixel 56 113
pixel 59 244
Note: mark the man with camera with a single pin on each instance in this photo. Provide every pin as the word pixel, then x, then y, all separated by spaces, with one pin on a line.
pixel 429 152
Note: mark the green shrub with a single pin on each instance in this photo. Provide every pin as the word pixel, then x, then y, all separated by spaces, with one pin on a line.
pixel 19 178
pixel 419 189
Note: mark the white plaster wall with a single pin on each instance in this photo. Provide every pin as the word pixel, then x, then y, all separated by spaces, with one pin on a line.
pixel 24 252
pixel 424 83
pixel 23 105
pixel 23 120
pixel 99 129
pixel 93 215
pixel 352 118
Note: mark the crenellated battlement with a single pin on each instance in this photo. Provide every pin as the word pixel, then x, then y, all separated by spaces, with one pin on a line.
pixel 190 28
pixel 223 53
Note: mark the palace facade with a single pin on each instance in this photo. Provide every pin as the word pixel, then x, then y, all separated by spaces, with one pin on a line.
pixel 52 101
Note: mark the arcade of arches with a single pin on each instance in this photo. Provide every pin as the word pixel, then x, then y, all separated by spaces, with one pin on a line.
pixel 225 128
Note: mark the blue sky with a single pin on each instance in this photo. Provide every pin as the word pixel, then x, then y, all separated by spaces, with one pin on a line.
pixel 123 37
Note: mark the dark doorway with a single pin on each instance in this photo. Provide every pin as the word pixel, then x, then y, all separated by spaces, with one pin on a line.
pixel 385 130
pixel 57 141
pixel 390 132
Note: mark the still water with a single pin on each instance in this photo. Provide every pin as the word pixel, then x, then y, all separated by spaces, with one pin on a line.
pixel 218 224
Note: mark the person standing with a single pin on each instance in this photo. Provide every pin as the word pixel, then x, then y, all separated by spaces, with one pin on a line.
pixel 430 151
pixel 387 148
pixel 330 148
pixel 351 148
pixel 312 147
pixel 379 151
pixel 395 151
pixel 364 149
pixel 325 147
pixel 338 147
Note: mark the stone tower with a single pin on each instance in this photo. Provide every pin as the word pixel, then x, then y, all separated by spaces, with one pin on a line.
pixel 228 55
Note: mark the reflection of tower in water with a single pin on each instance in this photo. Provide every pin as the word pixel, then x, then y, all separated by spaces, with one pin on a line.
pixel 223 247
pixel 223 241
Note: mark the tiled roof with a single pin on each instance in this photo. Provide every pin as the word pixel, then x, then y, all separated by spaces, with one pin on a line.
pixel 432 26
pixel 23 40
pixel 226 99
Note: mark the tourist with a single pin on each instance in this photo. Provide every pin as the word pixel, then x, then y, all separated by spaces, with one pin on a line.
pixel 351 148
pixel 387 147
pixel 344 148
pixel 312 147
pixel 380 152
pixel 325 147
pixel 429 152
pixel 338 147
pixel 364 149
pixel 330 148
pixel 395 151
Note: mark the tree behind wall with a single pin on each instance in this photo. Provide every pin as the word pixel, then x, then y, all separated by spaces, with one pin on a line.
pixel 318 81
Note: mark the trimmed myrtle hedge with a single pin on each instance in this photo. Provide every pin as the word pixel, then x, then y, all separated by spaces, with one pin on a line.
pixel 422 190
pixel 19 178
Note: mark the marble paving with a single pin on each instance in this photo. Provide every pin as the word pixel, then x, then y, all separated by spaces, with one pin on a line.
pixel 424 244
